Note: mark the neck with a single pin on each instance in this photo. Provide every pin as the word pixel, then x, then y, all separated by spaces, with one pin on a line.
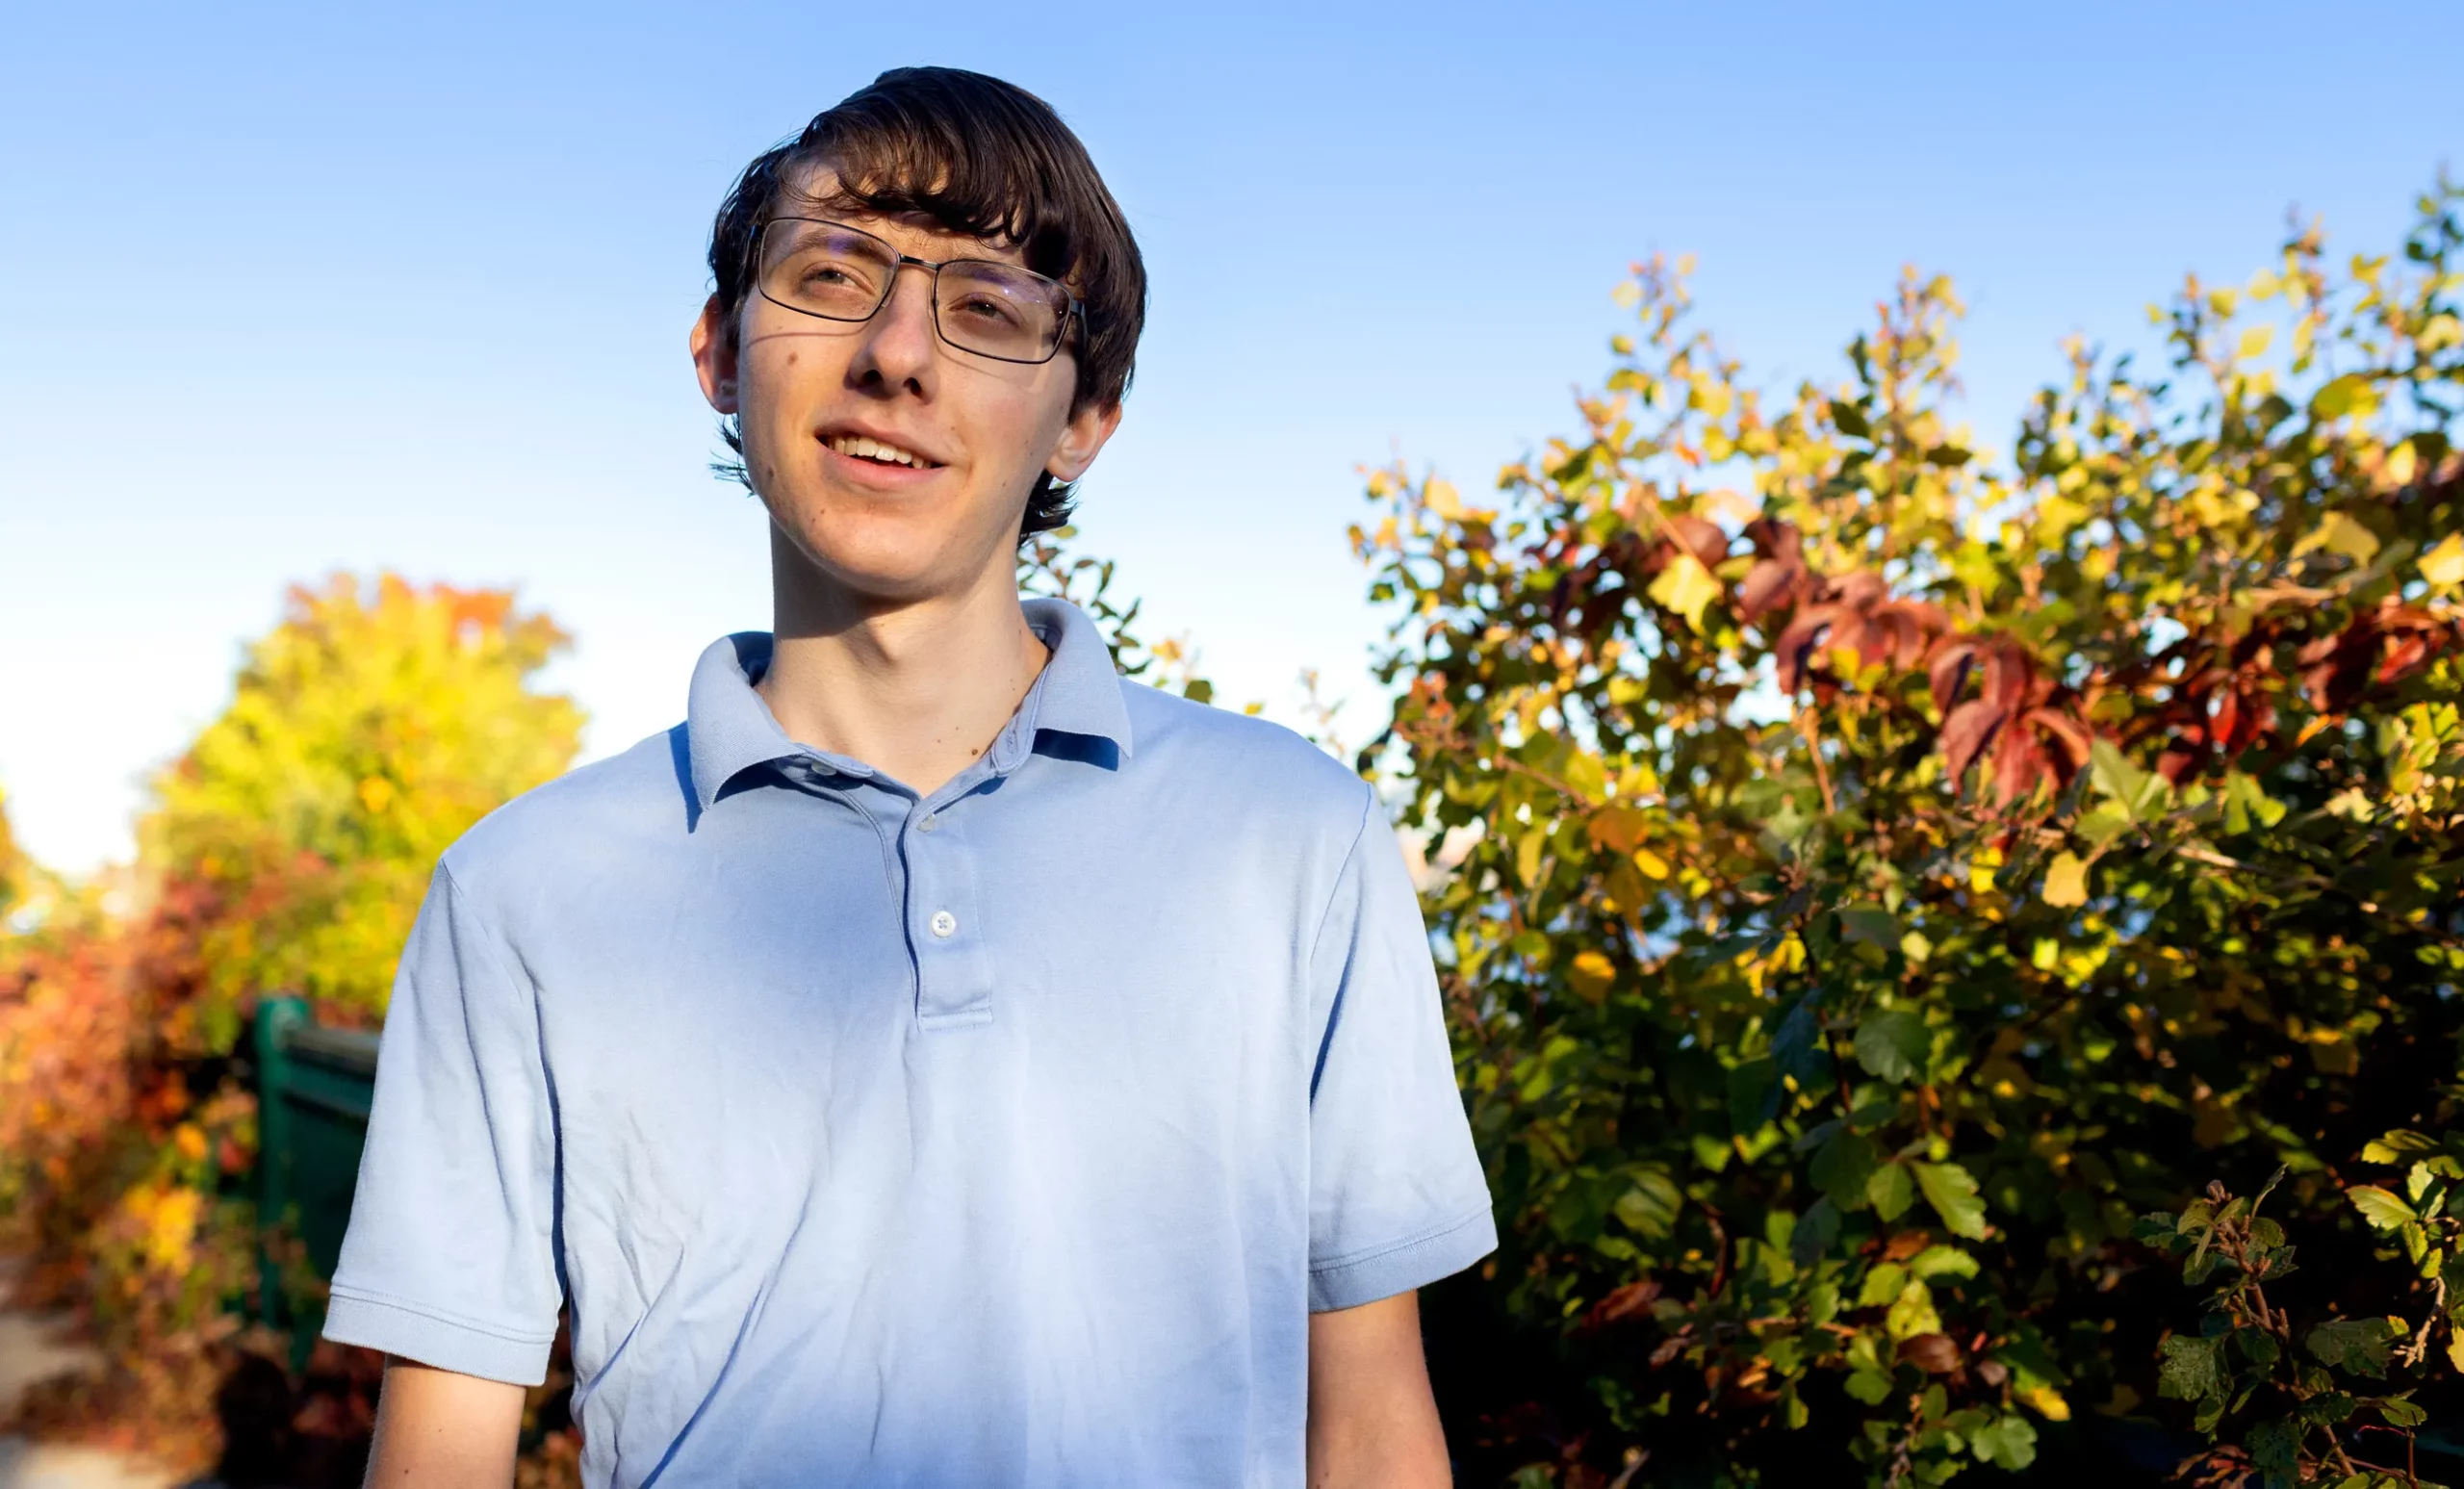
pixel 916 689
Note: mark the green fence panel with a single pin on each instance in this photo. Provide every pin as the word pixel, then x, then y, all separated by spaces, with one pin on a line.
pixel 314 1088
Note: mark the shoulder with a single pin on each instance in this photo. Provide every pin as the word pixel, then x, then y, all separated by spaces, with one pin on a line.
pixel 608 810
pixel 1251 766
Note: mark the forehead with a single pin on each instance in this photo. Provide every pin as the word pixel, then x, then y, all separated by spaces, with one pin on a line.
pixel 816 192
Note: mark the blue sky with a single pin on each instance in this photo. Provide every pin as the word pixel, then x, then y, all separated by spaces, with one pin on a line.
pixel 284 291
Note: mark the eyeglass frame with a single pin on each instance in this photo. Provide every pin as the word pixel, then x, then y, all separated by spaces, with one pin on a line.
pixel 1075 311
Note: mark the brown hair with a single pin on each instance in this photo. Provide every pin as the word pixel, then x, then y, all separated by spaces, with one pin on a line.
pixel 980 157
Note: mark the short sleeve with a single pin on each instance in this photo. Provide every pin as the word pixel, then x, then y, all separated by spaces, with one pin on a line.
pixel 1397 1198
pixel 451 1255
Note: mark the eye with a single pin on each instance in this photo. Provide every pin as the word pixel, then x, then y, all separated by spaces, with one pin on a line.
pixel 989 309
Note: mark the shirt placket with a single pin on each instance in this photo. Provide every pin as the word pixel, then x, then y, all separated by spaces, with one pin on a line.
pixel 944 932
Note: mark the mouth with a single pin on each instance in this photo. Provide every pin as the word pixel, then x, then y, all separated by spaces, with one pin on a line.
pixel 879 453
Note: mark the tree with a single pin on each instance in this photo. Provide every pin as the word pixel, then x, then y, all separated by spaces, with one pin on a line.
pixel 288 849
pixel 1880 875
pixel 369 730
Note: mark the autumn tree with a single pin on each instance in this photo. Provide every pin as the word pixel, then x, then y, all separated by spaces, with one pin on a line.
pixel 1885 872
pixel 287 848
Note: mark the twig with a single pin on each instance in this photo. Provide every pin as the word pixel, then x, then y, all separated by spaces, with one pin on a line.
pixel 1813 731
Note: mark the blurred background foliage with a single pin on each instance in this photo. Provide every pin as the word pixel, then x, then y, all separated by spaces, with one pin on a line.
pixel 287 850
pixel 1879 887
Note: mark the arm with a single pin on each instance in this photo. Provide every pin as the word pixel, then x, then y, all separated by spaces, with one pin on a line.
pixel 439 1430
pixel 1373 1422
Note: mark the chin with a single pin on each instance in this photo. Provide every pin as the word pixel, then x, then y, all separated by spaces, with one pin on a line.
pixel 887 557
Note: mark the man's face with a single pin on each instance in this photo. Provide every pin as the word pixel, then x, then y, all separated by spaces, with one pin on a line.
pixel 970 434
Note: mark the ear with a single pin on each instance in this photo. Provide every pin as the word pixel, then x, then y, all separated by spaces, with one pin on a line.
pixel 1082 439
pixel 713 344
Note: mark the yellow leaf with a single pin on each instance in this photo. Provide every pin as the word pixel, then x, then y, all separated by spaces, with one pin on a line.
pixel 2444 565
pixel 2401 464
pixel 2254 342
pixel 1687 587
pixel 2047 1404
pixel 2339 533
pixel 1651 863
pixel 1441 496
pixel 2065 883
pixel 1592 974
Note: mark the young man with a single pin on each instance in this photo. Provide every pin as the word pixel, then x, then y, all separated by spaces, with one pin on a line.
pixel 937 1062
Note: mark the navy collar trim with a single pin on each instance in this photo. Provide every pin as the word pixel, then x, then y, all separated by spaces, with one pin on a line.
pixel 728 730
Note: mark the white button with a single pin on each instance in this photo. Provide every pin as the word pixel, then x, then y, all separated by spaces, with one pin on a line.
pixel 930 821
pixel 944 924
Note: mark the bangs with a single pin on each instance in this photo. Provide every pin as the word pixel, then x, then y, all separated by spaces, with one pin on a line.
pixel 921 171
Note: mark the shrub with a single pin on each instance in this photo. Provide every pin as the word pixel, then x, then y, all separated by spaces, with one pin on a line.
pixel 1879 875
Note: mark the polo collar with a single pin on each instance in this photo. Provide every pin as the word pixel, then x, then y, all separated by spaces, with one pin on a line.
pixel 728 730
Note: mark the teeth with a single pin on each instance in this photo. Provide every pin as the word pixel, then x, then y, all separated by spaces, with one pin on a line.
pixel 863 448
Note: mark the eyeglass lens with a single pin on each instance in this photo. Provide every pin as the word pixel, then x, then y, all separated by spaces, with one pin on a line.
pixel 979 305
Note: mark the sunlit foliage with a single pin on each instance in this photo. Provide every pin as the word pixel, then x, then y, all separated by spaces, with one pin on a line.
pixel 1881 873
pixel 366 733
pixel 288 849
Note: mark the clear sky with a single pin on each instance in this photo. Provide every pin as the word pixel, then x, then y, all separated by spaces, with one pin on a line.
pixel 290 289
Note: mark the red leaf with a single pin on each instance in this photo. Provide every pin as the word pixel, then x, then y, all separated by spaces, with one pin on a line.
pixel 1768 585
pixel 1948 672
pixel 1937 1354
pixel 1633 1301
pixel 1796 644
pixel 2018 763
pixel 1966 733
pixel 2071 740
pixel 1705 540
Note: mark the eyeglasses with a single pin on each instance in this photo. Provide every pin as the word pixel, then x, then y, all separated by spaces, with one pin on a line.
pixel 979 305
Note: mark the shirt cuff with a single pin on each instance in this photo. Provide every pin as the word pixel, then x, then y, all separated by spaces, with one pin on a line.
pixel 1349 1282
pixel 463 1347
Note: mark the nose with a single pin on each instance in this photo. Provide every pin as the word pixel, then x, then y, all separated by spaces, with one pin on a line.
pixel 898 349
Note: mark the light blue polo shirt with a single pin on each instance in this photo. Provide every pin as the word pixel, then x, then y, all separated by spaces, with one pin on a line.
pixel 1007 1136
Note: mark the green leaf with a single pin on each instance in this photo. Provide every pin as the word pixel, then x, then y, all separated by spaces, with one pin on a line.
pixel 2008 1441
pixel 1892 1043
pixel 1650 1207
pixel 2380 1208
pixel 1871 924
pixel 1842 1168
pixel 1850 419
pixel 1685 587
pixel 2190 1369
pixel 2357 1344
pixel 2139 793
pixel 1754 1095
pixel 2100 825
pixel 1796 1045
pixel 1817 1229
pixel 2390 1148
pixel 1868 1387
pixel 1891 1190
pixel 1940 1261
pixel 1951 1190
pixel 2398 1412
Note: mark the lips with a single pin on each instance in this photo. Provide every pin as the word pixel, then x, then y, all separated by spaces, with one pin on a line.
pixel 877 451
